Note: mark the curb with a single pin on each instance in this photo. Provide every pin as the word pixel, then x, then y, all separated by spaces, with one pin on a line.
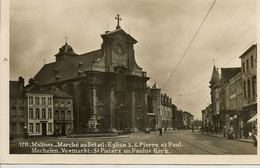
pixel 243 141
pixel 225 138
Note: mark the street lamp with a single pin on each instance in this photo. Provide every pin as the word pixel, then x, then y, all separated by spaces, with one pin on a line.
pixel 235 120
pixel 25 131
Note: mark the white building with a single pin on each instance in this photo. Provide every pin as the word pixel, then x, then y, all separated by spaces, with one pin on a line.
pixel 39 110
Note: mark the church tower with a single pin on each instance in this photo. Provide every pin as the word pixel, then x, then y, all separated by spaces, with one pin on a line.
pixel 65 52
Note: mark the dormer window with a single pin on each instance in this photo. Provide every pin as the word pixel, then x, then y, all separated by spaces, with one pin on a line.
pixel 80 73
pixel 80 64
pixel 57 78
pixel 56 70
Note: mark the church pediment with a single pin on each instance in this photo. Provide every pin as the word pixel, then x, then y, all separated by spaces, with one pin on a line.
pixel 119 33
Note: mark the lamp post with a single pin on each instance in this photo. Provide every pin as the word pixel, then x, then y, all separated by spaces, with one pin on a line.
pixel 235 122
pixel 25 131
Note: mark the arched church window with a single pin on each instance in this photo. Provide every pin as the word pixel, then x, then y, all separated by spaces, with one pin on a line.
pixel 83 93
pixel 120 81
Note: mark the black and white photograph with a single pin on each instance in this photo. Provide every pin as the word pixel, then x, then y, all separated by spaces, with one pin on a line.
pixel 139 77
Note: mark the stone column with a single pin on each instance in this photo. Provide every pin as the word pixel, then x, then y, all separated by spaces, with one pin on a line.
pixel 133 112
pixel 112 110
pixel 94 99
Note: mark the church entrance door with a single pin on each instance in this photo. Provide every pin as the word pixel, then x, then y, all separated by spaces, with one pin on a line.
pixel 121 119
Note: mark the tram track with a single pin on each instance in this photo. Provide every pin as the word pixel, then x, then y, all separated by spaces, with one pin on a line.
pixel 192 142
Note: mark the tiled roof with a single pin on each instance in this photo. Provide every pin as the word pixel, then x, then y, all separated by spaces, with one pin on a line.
pixel 228 73
pixel 15 90
pixel 61 94
pixel 35 88
pixel 67 68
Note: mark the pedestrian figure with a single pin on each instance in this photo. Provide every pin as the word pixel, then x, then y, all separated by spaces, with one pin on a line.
pixel 192 128
pixel 165 129
pixel 224 131
pixel 245 132
pixel 254 134
pixel 160 130
pixel 230 133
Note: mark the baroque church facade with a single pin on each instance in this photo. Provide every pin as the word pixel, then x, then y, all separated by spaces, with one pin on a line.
pixel 109 89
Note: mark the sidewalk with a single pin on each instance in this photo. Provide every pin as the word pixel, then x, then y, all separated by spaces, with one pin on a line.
pixel 248 140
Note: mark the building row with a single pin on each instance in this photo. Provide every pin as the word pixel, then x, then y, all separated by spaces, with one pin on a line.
pixel 38 111
pixel 233 96
pixel 163 113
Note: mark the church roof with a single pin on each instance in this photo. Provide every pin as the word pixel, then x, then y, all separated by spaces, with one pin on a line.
pixel 66 49
pixel 228 73
pixel 61 94
pixel 119 31
pixel 66 69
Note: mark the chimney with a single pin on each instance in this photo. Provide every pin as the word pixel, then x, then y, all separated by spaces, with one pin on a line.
pixel 21 83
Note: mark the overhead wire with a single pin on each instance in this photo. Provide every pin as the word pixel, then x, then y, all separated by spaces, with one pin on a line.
pixel 189 44
pixel 232 44
pixel 225 63
pixel 222 47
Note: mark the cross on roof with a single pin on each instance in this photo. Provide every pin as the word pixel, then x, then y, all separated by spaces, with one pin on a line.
pixel 118 19
pixel 66 39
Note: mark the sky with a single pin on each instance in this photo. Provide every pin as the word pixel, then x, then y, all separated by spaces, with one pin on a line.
pixel 163 29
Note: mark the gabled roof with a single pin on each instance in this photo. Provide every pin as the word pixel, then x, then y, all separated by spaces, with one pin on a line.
pixel 67 68
pixel 58 93
pixel 119 31
pixel 33 87
pixel 15 90
pixel 228 73
pixel 248 50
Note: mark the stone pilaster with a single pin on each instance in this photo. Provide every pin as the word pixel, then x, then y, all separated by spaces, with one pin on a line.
pixel 133 104
pixel 112 110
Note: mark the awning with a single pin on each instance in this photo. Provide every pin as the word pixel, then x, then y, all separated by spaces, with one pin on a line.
pixel 253 119
pixel 152 114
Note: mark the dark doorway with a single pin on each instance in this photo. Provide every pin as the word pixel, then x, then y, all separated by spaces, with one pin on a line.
pixel 140 124
pixel 63 129
pixel 153 124
pixel 121 120
pixel 43 129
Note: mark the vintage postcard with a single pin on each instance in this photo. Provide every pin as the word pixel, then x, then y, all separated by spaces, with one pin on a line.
pixel 129 82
